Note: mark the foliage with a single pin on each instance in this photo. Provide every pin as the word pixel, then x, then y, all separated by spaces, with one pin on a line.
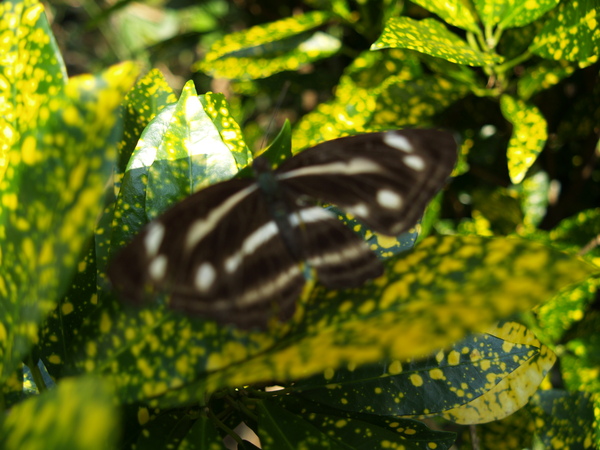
pixel 463 327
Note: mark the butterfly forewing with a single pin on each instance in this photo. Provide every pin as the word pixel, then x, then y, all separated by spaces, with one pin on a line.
pixel 235 252
pixel 384 179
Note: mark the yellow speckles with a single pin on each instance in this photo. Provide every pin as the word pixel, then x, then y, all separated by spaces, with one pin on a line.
pixel 378 390
pixel 432 445
pixel 485 364
pixel 105 323
pixel 416 380
pixel 386 241
pixel 328 373
pixel 453 358
pixel 71 115
pixel 475 355
pixel 54 359
pixel 31 15
pixel 2 332
pixel 395 368
pixel 341 423
pixel 9 200
pixel 66 308
pixel 143 415
pixel 436 374
pixel 367 307
pixel 94 299
pixel 145 367
pixel 507 346
pixel 91 349
pixel 182 364
pixel 344 401
pixel 29 152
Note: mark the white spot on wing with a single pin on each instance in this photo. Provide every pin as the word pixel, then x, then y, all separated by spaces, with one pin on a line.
pixel 389 199
pixel 353 166
pixel 309 215
pixel 205 277
pixel 414 162
pixel 158 268
pixel 398 142
pixel 153 238
pixel 201 227
pixel 359 210
pixel 250 244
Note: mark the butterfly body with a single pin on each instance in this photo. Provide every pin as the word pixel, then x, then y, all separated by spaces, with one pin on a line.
pixel 240 246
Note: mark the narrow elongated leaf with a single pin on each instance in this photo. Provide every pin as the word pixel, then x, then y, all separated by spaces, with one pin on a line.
pixel 432 38
pixel 512 13
pixel 528 137
pixel 78 414
pixel 572 33
pixel 267 49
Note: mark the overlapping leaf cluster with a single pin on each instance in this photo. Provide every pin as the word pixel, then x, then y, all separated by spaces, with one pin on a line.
pixel 356 368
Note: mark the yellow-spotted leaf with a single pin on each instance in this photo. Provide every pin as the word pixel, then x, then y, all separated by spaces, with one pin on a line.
pixel 512 13
pixel 455 12
pixel 302 427
pixel 432 38
pixel 31 70
pixel 380 90
pixel 528 137
pixel 513 389
pixel 514 432
pixel 445 381
pixel 543 76
pixel 565 419
pixel 79 414
pixel 51 195
pixel 432 296
pixel 263 50
pixel 572 33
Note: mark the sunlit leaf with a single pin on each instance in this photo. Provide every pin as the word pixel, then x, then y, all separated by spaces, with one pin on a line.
pixel 455 12
pixel 572 33
pixel 431 37
pixel 512 13
pixel 263 50
pixel 528 137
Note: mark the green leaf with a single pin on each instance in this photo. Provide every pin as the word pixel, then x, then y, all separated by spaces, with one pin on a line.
pixel 263 50
pixel 51 196
pixel 79 414
pixel 512 13
pixel 528 137
pixel 456 382
pixel 534 198
pixel 564 420
pixel 501 208
pixel 455 12
pixel 432 38
pixel 572 33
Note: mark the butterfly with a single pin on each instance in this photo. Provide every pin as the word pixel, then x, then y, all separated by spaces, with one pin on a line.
pixel 237 251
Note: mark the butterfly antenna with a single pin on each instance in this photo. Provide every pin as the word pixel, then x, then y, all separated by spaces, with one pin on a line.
pixel 278 104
